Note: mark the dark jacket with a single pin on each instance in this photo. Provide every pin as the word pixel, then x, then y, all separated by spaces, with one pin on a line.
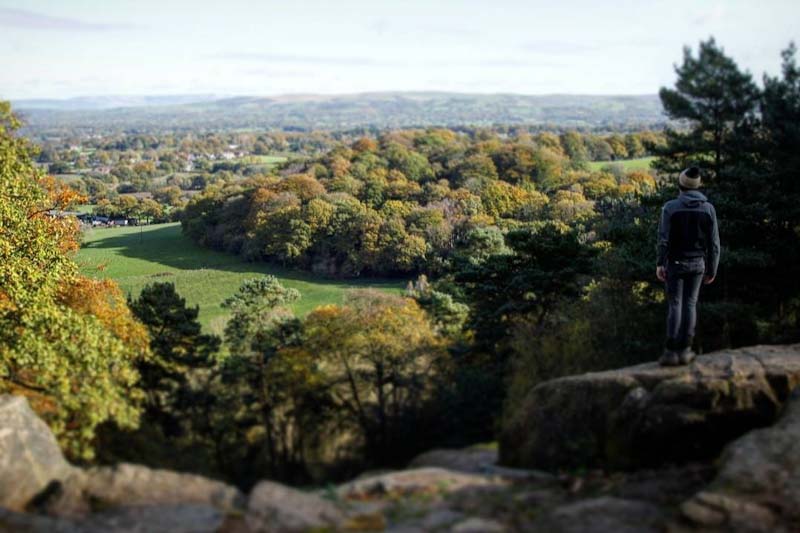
pixel 688 229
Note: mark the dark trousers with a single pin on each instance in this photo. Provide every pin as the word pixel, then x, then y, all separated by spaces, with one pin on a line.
pixel 684 278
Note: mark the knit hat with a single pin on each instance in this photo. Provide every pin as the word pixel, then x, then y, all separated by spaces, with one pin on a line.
pixel 690 178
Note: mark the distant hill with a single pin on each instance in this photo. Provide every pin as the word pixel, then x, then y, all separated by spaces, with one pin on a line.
pixel 336 112
pixel 85 103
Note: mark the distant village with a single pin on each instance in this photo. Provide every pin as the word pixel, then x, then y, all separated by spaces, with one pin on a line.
pixel 92 220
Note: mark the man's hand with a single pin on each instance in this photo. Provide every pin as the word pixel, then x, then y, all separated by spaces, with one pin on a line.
pixel 661 273
pixel 708 280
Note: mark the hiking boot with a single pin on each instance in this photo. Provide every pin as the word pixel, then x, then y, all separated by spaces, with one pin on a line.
pixel 687 355
pixel 669 358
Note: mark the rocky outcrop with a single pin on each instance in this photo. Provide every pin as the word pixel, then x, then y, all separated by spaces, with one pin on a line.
pixel 605 515
pixel 472 460
pixel 649 415
pixel 598 419
pixel 413 481
pixel 30 458
pixel 149 519
pixel 476 460
pixel 757 487
pixel 276 508
pixel 35 477
pixel 127 485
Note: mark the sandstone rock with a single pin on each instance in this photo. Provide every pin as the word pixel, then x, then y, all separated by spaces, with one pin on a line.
pixel 13 522
pixel 477 460
pixel 406 528
pixel 649 415
pixel 156 519
pixel 478 525
pixel 366 522
pixel 604 515
pixel 440 519
pixel 431 479
pixel 757 487
pixel 273 507
pixel 29 454
pixel 473 460
pixel 127 485
pixel 146 519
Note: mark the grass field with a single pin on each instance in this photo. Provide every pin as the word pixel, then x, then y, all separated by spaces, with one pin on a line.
pixel 267 159
pixel 68 178
pixel 137 256
pixel 642 163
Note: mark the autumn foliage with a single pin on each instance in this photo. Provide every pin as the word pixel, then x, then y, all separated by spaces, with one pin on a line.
pixel 66 342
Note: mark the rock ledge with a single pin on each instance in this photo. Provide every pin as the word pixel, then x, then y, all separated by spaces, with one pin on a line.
pixel 648 415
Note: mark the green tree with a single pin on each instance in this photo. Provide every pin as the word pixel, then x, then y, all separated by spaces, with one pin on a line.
pixel 575 148
pixel 68 343
pixel 256 307
pixel 380 358
pixel 780 160
pixel 177 344
pixel 545 266
pixel 269 383
pixel 718 101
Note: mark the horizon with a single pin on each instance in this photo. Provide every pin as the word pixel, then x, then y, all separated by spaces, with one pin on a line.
pixel 74 49
pixel 333 95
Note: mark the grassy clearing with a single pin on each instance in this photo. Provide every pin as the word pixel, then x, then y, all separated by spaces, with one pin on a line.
pixel 269 161
pixel 137 256
pixel 68 178
pixel 642 163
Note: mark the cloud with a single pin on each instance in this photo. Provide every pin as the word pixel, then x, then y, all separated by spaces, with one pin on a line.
pixel 22 18
pixel 278 73
pixel 711 17
pixel 560 47
pixel 307 59
pixel 384 27
pixel 576 48
pixel 266 58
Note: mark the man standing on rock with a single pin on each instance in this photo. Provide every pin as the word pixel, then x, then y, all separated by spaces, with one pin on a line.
pixel 688 255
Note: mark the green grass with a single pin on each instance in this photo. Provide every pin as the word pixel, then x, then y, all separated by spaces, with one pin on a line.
pixel 268 160
pixel 137 256
pixel 68 178
pixel 642 163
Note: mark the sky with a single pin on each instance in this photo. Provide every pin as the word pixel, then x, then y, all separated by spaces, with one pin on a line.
pixel 62 49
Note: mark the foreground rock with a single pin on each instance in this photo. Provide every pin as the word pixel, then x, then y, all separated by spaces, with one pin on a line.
pixel 273 507
pixel 758 485
pixel 477 460
pixel 753 487
pixel 149 519
pixel 127 485
pixel 35 477
pixel 648 415
pixel 474 460
pixel 605 515
pixel 29 454
pixel 414 481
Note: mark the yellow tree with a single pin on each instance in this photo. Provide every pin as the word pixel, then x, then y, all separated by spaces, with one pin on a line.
pixel 380 357
pixel 65 342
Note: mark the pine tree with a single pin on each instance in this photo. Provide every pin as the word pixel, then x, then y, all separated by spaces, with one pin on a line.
pixel 178 347
pixel 746 144
pixel 717 102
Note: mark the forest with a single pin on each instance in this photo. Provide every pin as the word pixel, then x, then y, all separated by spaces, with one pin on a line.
pixel 523 264
pixel 377 111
